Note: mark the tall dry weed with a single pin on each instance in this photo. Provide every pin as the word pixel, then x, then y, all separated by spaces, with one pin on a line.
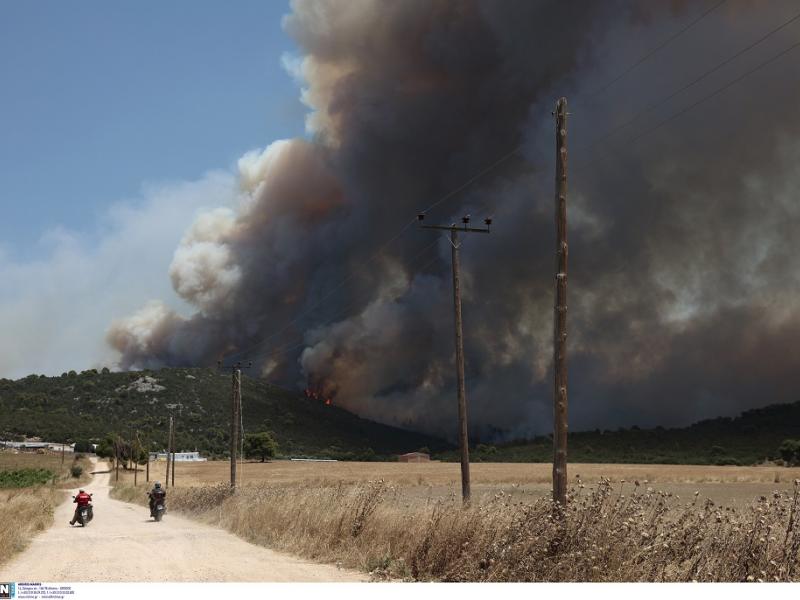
pixel 608 532
pixel 23 513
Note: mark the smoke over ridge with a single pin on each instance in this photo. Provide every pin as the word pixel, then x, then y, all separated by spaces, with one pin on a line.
pixel 684 291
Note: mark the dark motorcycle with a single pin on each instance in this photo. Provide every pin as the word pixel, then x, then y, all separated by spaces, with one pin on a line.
pixel 85 514
pixel 159 507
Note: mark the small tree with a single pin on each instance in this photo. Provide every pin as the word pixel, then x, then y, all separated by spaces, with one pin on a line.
pixel 84 446
pixel 260 445
pixel 105 449
pixel 790 452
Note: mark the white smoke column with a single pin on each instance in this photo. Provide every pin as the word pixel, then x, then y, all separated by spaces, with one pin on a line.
pixel 203 271
pixel 233 264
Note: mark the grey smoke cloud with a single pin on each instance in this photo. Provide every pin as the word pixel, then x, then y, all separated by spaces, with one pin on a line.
pixel 683 287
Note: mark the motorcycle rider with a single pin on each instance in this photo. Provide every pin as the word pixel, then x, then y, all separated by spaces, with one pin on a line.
pixel 82 499
pixel 157 493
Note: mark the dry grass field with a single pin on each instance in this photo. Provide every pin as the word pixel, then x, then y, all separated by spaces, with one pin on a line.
pixel 406 521
pixel 723 484
pixel 10 461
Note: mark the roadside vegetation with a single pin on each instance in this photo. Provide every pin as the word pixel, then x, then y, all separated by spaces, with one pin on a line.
pixel 611 531
pixel 31 486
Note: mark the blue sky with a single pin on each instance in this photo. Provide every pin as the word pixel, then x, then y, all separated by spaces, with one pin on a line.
pixel 120 123
pixel 101 98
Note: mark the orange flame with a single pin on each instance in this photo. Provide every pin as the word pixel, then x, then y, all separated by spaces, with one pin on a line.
pixel 316 395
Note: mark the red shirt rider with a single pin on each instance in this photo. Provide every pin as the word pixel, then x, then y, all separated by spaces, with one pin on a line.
pixel 83 499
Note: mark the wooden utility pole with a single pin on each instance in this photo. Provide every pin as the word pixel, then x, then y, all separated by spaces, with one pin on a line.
pixel 147 467
pixel 236 413
pixel 135 452
pixel 560 313
pixel 169 452
pixel 116 457
pixel 62 453
pixel 172 443
pixel 236 394
pixel 463 436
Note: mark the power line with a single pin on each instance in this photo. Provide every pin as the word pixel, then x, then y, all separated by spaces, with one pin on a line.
pixel 472 180
pixel 686 109
pixel 608 84
pixel 690 84
pixel 290 346
pixel 661 46
pixel 308 310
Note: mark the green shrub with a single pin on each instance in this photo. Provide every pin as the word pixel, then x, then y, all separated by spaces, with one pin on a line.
pixel 76 471
pixel 84 446
pixel 790 452
pixel 24 478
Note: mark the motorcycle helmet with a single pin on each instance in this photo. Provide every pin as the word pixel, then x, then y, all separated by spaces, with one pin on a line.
pixel 81 491
pixel 158 485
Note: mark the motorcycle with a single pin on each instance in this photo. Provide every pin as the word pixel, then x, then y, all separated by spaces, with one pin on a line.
pixel 85 513
pixel 159 508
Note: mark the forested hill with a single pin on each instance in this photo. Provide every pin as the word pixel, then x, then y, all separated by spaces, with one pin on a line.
pixel 750 438
pixel 92 404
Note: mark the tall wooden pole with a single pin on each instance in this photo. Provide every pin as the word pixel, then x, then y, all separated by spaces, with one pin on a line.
pixel 463 440
pixel 169 452
pixel 560 313
pixel 147 468
pixel 116 458
pixel 135 452
pixel 235 392
pixel 174 449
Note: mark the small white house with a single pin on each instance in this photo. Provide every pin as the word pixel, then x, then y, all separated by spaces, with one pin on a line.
pixel 179 456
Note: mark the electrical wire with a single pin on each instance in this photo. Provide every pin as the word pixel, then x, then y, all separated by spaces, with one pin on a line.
pixel 698 102
pixel 290 346
pixel 308 310
pixel 661 46
pixel 690 84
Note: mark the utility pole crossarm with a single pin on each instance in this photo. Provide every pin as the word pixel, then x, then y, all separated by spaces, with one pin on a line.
pixel 456 228
pixel 453 227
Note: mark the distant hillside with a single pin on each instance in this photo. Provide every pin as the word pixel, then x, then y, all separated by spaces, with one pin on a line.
pixel 750 438
pixel 92 404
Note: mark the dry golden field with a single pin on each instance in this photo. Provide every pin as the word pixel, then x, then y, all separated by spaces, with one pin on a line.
pixel 10 461
pixel 406 521
pixel 723 484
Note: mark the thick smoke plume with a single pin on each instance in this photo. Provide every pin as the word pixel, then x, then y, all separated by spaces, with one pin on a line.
pixel 684 295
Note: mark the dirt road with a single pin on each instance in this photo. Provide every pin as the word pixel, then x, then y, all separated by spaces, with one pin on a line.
pixel 123 544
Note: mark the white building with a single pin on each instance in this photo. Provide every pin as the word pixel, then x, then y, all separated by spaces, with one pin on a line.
pixel 179 456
